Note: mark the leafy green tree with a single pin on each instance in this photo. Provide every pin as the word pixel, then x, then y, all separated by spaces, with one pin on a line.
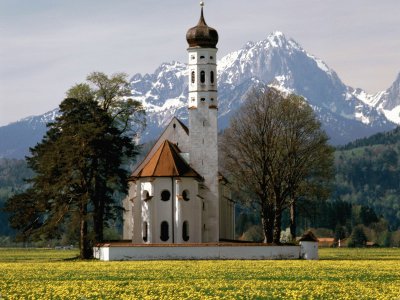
pixel 276 148
pixel 113 95
pixel 358 237
pixel 78 167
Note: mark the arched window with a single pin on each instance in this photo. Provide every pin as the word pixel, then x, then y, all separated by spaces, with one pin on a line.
pixel 185 231
pixel 164 231
pixel 212 77
pixel 165 195
pixel 202 76
pixel 202 57
pixel 145 229
pixel 186 194
pixel 193 76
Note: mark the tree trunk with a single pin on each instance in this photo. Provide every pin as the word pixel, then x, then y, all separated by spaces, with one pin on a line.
pixel 98 220
pixel 85 249
pixel 277 225
pixel 270 233
pixel 267 222
pixel 98 216
pixel 293 220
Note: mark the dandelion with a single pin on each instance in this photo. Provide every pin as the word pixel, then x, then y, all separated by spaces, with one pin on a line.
pixel 338 278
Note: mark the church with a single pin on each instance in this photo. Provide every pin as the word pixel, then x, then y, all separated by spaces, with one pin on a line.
pixel 179 205
pixel 177 194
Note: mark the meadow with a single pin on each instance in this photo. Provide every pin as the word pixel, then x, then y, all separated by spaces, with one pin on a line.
pixel 339 274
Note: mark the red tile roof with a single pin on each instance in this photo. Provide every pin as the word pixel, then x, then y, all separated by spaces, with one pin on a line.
pixel 166 162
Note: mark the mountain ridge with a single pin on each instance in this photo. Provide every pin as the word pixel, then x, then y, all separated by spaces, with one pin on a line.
pixel 345 113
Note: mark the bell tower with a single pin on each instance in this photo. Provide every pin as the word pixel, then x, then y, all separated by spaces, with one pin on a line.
pixel 203 111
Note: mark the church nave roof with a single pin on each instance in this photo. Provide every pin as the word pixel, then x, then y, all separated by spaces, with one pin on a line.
pixel 167 162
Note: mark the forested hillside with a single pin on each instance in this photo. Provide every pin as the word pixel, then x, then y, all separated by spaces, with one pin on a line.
pixel 366 193
pixel 368 173
pixel 383 138
pixel 12 175
pixel 365 199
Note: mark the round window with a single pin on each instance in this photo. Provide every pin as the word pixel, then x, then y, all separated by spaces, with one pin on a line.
pixel 165 195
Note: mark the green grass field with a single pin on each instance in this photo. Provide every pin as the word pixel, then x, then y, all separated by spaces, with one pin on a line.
pixel 339 274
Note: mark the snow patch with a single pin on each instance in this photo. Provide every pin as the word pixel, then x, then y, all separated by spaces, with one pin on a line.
pixel 227 61
pixel 361 117
pixel 393 115
pixel 323 66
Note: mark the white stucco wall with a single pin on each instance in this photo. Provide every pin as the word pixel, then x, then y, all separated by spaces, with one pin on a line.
pixel 188 210
pixel 127 203
pixel 198 252
pixel 204 159
pixel 175 211
pixel 226 212
pixel 202 211
pixel 175 133
pixel 202 59
pixel 309 250
pixel 163 210
pixel 137 212
pixel 202 104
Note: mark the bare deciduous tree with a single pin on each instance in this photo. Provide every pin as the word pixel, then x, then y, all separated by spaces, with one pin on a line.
pixel 275 148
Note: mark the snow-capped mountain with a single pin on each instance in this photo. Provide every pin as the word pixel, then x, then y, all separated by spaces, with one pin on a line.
pixel 388 101
pixel 17 137
pixel 163 94
pixel 278 62
pixel 346 113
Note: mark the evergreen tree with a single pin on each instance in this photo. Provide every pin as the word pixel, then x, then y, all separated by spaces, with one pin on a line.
pixel 78 167
pixel 358 237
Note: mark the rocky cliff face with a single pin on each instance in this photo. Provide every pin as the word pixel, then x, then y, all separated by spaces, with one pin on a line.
pixel 278 62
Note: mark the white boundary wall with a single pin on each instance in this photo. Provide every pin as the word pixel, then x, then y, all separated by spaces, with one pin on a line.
pixel 309 250
pixel 110 252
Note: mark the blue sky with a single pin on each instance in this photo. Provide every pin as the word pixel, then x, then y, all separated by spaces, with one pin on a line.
pixel 46 46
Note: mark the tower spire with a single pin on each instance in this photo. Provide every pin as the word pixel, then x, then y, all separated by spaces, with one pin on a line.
pixel 203 113
pixel 202 35
pixel 202 21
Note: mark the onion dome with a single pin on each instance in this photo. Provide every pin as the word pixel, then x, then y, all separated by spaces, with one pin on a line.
pixel 202 35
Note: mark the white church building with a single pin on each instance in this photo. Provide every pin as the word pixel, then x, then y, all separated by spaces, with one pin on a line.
pixel 179 206
pixel 176 194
